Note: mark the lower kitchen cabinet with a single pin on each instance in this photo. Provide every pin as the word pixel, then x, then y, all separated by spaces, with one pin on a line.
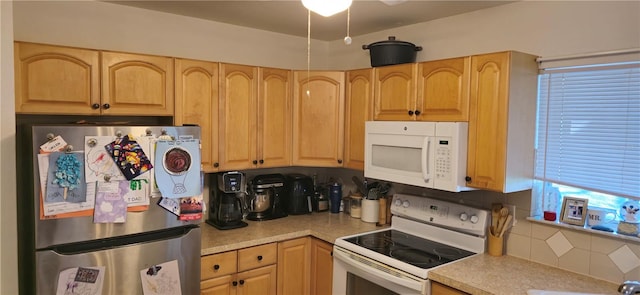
pixel 321 267
pixel 245 271
pixel 294 265
pixel 440 289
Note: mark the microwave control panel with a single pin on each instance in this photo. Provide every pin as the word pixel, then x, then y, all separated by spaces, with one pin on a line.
pixel 443 159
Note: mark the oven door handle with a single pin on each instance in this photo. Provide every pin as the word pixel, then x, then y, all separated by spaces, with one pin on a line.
pixel 401 279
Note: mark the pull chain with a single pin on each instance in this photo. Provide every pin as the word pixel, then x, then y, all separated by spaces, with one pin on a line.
pixel 308 50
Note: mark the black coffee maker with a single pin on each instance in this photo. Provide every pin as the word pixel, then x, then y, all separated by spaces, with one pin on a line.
pixel 265 200
pixel 225 208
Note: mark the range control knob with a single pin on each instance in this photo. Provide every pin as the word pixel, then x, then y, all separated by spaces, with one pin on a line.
pixel 398 202
pixel 474 219
pixel 405 204
pixel 464 216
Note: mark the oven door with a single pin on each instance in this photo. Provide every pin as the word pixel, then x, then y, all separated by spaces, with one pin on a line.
pixel 355 274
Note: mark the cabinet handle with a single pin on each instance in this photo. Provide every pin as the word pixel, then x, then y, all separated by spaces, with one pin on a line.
pixel 216 165
pixel 259 257
pixel 106 106
pixel 241 282
pixel 339 161
pixel 95 106
pixel 410 113
pixel 234 283
pixel 467 178
pixel 331 253
pixel 255 162
pixel 261 161
pixel 216 267
pixel 417 112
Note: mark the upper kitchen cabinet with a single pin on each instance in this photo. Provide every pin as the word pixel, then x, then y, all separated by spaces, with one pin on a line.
pixel 395 93
pixel 274 118
pixel 135 84
pixel 502 120
pixel 238 113
pixel 255 117
pixel 443 90
pixel 56 80
pixel 318 118
pixel 197 104
pixel 359 109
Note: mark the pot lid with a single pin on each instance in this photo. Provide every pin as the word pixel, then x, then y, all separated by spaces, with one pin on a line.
pixel 392 41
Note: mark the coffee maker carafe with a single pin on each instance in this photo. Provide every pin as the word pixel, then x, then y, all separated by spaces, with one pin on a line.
pixel 265 198
pixel 225 204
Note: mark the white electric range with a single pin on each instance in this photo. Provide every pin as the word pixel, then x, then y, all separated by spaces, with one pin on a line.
pixel 425 233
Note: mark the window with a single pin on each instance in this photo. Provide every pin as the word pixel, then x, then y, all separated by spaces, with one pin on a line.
pixel 588 135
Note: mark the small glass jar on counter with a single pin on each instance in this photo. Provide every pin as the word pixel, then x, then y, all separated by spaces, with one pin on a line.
pixel 355 206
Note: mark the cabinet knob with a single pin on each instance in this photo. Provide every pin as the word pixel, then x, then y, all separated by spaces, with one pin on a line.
pixel 259 257
pixel 106 106
pixel 339 161
pixel 216 267
pixel 255 162
pixel 261 161
pixel 234 283
pixel 95 106
pixel 216 165
pixel 331 253
pixel 417 112
pixel 410 113
pixel 241 282
pixel 467 178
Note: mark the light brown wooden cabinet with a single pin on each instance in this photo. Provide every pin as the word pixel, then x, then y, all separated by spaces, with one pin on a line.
pixel 294 265
pixel 443 90
pixel 358 109
pixel 246 271
pixel 255 117
pixel 318 119
pixel 321 267
pixel 395 92
pixel 441 289
pixel 73 81
pixel 502 121
pixel 197 103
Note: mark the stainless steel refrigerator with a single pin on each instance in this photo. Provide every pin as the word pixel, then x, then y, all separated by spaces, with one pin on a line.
pixel 146 239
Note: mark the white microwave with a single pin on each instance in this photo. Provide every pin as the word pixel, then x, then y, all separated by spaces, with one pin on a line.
pixel 424 154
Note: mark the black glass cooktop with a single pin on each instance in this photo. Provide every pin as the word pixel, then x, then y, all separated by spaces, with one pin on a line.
pixel 408 248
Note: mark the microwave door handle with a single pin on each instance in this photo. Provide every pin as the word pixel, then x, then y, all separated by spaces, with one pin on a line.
pixel 426 145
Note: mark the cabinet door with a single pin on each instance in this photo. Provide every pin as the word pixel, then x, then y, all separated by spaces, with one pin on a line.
pixel 443 90
pixel 56 80
pixel 274 118
pixel 359 108
pixel 238 94
pixel 294 266
pixel 488 121
pixel 197 103
pixel 395 92
pixel 318 119
pixel 259 281
pixel 440 289
pixel 218 286
pixel 321 267
pixel 135 84
pixel 216 265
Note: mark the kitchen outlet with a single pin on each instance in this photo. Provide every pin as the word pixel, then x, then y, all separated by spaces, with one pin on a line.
pixel 512 211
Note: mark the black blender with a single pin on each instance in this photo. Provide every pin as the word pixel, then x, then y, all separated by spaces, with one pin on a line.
pixel 225 204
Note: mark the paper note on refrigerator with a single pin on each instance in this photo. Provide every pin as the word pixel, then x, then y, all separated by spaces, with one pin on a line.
pixel 62 209
pixel 81 280
pixel 161 279
pixel 110 204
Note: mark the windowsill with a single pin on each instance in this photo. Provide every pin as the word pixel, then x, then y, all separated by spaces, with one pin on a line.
pixel 585 229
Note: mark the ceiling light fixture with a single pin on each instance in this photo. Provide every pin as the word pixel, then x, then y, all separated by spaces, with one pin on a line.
pixel 327 8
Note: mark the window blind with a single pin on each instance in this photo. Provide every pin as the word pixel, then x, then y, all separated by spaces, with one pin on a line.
pixel 589 128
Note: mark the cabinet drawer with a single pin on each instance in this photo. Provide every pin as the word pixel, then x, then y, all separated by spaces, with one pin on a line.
pixel 257 256
pixel 212 266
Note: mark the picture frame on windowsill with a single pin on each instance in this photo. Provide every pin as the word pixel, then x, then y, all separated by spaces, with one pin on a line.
pixel 574 210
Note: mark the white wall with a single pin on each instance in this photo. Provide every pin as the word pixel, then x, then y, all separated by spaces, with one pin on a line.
pixel 101 25
pixel 8 247
pixel 544 28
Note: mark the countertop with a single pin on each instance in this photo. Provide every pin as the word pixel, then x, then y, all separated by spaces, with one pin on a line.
pixel 324 225
pixel 479 274
pixel 484 274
